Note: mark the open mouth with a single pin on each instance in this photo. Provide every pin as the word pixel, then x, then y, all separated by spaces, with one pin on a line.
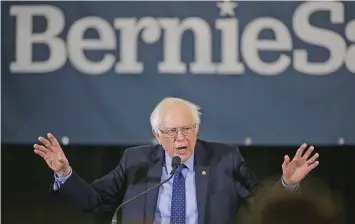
pixel 181 150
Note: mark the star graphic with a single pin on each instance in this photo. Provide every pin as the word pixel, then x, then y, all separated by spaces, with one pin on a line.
pixel 226 7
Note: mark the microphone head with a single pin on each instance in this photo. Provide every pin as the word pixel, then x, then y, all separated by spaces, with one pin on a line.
pixel 176 161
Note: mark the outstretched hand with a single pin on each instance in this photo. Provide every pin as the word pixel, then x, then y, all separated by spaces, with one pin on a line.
pixel 53 154
pixel 296 170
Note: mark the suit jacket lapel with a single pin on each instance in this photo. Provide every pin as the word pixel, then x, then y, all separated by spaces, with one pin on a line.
pixel 202 172
pixel 153 178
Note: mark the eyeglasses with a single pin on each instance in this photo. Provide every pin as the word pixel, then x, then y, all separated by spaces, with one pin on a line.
pixel 172 133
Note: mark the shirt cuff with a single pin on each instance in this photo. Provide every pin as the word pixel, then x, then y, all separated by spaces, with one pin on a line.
pixel 288 186
pixel 61 180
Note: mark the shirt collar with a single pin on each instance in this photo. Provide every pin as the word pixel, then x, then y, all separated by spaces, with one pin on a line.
pixel 189 163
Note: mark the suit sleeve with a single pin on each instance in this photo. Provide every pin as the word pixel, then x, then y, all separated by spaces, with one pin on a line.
pixel 102 195
pixel 247 186
pixel 247 182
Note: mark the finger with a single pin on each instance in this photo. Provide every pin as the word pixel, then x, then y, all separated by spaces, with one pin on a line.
pixel 286 161
pixel 40 153
pixel 308 152
pixel 45 142
pixel 300 150
pixel 313 165
pixel 41 148
pixel 313 158
pixel 53 140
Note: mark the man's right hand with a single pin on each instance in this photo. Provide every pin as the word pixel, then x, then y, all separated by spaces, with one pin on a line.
pixel 53 154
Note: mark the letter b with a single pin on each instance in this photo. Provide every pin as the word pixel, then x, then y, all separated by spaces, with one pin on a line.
pixel 25 38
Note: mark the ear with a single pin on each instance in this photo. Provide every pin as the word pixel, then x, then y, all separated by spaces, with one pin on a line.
pixel 156 135
pixel 197 128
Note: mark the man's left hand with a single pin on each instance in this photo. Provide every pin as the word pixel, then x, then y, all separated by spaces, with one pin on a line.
pixel 296 170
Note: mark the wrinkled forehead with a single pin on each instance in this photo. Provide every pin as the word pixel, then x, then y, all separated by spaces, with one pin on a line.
pixel 176 116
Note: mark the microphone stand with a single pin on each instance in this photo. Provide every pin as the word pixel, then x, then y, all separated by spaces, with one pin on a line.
pixel 114 219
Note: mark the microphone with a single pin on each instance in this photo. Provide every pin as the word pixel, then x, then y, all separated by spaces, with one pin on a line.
pixel 175 163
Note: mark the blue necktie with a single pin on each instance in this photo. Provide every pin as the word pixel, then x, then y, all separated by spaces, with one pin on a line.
pixel 178 198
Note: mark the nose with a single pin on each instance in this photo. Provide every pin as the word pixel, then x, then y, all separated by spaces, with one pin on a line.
pixel 180 136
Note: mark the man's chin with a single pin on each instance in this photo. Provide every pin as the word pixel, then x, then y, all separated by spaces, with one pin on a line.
pixel 184 157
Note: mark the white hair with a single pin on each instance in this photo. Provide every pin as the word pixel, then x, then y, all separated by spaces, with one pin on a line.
pixel 155 117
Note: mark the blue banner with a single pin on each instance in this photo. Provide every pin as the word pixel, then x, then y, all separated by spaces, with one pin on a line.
pixel 265 73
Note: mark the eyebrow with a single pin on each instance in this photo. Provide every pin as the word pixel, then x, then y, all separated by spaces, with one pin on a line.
pixel 185 126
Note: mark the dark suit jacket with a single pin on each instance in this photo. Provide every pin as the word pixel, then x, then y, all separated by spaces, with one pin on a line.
pixel 219 192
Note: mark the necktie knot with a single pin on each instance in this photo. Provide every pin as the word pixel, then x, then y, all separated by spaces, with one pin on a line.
pixel 180 168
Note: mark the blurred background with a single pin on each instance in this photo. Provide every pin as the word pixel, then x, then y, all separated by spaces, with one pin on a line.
pixel 267 75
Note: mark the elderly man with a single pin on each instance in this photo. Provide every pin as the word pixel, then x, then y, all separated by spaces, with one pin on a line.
pixel 207 189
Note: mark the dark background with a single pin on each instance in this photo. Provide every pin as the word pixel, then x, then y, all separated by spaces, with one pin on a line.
pixel 26 178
